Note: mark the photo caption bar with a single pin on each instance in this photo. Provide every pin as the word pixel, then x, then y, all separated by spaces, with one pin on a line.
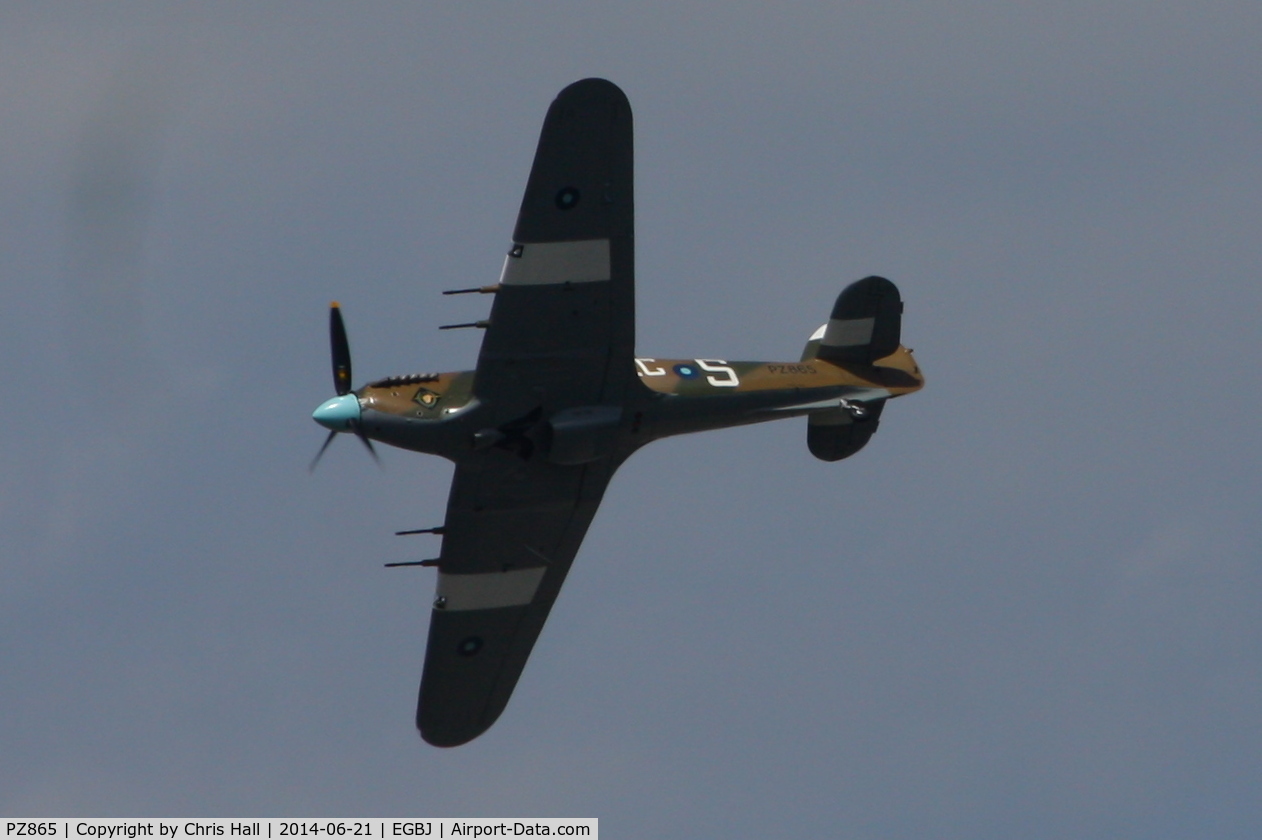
pixel 228 828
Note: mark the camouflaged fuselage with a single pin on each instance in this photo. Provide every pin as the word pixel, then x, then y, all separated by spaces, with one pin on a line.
pixel 559 399
pixel 440 413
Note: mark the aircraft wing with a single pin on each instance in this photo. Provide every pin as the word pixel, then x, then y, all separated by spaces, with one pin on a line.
pixel 513 528
pixel 560 336
pixel 562 327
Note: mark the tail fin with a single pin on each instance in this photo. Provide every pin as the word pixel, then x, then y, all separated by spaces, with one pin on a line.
pixel 865 325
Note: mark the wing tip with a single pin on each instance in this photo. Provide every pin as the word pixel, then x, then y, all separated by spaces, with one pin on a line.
pixel 592 87
pixel 447 737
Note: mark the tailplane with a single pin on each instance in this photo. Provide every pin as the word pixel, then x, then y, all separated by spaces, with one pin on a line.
pixel 837 433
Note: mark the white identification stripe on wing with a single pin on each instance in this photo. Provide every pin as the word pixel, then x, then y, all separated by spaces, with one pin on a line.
pixel 548 263
pixel 489 590
pixel 848 332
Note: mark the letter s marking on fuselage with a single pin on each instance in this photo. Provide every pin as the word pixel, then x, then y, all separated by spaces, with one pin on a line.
pixel 730 379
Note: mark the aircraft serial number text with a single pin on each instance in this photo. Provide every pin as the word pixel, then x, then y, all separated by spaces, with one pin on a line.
pixel 791 368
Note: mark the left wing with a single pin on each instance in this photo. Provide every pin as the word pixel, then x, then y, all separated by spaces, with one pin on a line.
pixel 562 327
pixel 552 375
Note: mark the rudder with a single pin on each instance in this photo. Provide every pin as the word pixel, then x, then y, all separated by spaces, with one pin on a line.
pixel 865 326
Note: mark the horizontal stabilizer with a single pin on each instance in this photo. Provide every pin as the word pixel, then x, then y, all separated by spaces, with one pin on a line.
pixel 865 324
pixel 837 433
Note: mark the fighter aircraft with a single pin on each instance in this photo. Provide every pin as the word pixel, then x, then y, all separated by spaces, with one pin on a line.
pixel 559 399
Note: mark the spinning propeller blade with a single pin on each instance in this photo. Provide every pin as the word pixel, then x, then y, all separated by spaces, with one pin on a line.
pixel 341 413
pixel 320 454
pixel 363 438
pixel 341 350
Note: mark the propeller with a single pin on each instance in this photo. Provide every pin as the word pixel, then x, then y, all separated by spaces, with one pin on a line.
pixel 341 351
pixel 341 413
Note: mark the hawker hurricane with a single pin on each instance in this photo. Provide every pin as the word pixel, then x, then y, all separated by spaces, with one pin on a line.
pixel 559 399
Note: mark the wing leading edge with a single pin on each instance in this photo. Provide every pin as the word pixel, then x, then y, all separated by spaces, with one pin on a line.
pixel 560 338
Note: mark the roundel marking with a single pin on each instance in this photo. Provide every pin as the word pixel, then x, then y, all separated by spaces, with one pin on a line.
pixel 686 371
pixel 470 646
pixel 567 198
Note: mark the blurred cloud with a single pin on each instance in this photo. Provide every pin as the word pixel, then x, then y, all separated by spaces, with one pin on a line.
pixel 111 199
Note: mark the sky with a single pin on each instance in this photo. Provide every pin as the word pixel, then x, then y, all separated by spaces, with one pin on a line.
pixel 1028 608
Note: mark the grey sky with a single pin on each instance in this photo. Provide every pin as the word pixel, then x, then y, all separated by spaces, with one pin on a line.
pixel 1029 608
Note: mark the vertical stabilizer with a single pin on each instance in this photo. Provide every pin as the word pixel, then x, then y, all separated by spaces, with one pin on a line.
pixel 865 324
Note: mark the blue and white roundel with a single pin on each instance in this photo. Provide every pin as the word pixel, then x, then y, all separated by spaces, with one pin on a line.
pixel 687 371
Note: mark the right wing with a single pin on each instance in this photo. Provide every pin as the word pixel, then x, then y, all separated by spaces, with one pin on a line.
pixel 513 528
